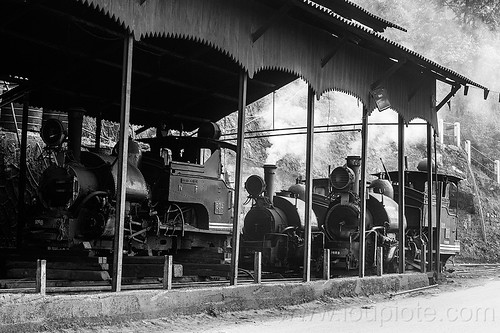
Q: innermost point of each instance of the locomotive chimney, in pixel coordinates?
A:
(354, 162)
(75, 122)
(269, 178)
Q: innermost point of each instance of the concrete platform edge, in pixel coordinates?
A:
(26, 312)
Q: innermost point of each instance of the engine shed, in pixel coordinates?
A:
(191, 62)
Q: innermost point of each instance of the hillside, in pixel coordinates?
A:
(479, 204)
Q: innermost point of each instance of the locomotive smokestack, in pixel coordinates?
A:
(75, 122)
(354, 162)
(269, 178)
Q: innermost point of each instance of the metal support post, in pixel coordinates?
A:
(23, 168)
(168, 272)
(401, 194)
(326, 264)
(362, 193)
(308, 203)
(242, 104)
(439, 194)
(257, 267)
(41, 277)
(430, 171)
(122, 163)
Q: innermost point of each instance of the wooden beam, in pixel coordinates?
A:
(41, 277)
(388, 73)
(122, 163)
(168, 272)
(309, 184)
(278, 15)
(257, 267)
(14, 94)
(242, 104)
(445, 100)
(326, 264)
(334, 51)
(419, 84)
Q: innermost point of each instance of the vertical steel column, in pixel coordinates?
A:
(430, 247)
(362, 193)
(308, 203)
(98, 129)
(242, 104)
(23, 168)
(438, 212)
(122, 163)
(401, 195)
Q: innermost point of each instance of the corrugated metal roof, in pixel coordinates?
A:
(381, 42)
(350, 10)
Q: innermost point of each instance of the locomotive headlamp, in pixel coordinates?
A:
(342, 178)
(255, 185)
(52, 132)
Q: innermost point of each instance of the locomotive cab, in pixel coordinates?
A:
(416, 212)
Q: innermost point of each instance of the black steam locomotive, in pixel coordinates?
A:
(275, 223)
(176, 197)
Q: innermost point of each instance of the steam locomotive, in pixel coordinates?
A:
(275, 223)
(176, 197)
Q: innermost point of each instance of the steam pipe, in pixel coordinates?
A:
(75, 122)
(269, 178)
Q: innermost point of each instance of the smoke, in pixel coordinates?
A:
(331, 110)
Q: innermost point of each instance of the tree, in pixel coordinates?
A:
(470, 12)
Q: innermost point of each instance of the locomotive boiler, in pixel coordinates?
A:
(176, 197)
(275, 226)
(342, 218)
